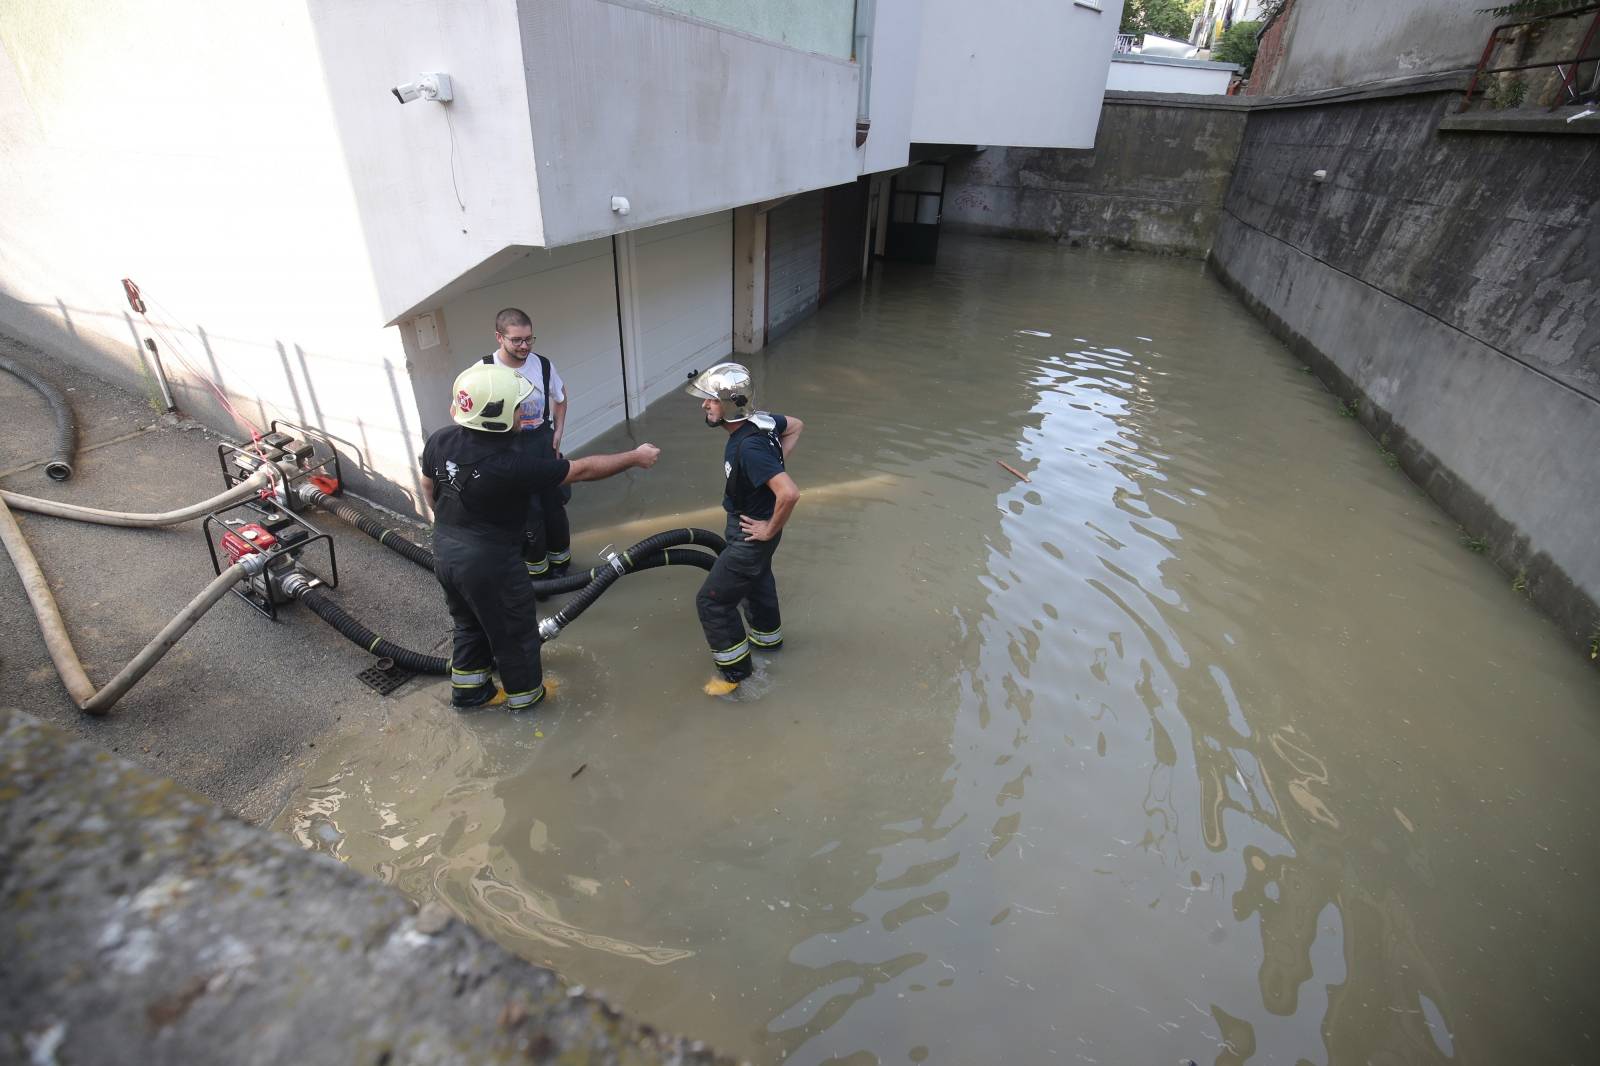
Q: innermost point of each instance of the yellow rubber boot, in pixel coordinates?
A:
(720, 686)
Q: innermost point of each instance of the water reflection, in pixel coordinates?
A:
(1208, 742)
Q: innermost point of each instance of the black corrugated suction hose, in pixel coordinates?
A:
(393, 539)
(324, 606)
(557, 586)
(337, 617)
(388, 536)
(632, 559)
(59, 466)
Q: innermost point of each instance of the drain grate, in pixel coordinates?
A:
(383, 676)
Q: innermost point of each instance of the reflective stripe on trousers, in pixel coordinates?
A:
(521, 701)
(742, 575)
(731, 655)
(491, 602)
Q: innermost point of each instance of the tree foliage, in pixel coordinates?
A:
(1166, 18)
(1238, 45)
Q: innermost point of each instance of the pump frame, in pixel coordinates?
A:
(323, 457)
(278, 556)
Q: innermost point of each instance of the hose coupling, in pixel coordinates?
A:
(253, 563)
(617, 563)
(549, 629)
(297, 583)
(308, 493)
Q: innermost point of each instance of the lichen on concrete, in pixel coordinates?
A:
(143, 924)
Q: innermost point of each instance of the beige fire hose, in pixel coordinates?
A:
(59, 644)
(44, 604)
(242, 491)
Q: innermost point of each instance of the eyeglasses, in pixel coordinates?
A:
(518, 342)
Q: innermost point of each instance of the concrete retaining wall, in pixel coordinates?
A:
(1317, 44)
(1153, 182)
(140, 924)
(1449, 282)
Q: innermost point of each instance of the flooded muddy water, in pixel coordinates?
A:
(1212, 741)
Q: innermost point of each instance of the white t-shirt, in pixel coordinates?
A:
(531, 414)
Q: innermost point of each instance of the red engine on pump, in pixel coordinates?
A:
(247, 540)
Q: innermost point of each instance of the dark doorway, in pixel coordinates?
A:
(916, 202)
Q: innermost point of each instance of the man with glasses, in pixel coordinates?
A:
(547, 546)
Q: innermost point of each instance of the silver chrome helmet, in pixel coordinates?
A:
(728, 382)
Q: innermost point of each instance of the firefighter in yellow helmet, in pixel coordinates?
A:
(480, 475)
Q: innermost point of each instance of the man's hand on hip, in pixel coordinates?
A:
(755, 529)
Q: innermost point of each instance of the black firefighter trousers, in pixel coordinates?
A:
(742, 574)
(548, 541)
(496, 622)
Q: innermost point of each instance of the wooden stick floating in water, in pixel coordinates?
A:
(1019, 474)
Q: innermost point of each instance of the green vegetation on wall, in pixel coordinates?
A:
(1238, 45)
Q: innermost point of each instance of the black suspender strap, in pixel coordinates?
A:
(549, 407)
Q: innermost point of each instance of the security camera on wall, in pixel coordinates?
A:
(435, 87)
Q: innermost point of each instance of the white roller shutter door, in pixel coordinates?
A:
(676, 283)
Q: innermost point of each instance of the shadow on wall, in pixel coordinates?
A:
(274, 381)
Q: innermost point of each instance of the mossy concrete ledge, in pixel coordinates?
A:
(142, 924)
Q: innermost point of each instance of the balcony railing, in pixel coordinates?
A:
(1125, 43)
(1572, 89)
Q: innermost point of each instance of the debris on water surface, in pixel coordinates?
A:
(1014, 471)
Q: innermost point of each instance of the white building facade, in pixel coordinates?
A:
(658, 184)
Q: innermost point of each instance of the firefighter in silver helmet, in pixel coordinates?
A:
(759, 495)
(479, 475)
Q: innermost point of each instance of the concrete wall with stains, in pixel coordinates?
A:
(1328, 43)
(1154, 181)
(1449, 283)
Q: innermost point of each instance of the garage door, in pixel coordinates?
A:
(843, 234)
(571, 295)
(794, 262)
(676, 288)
